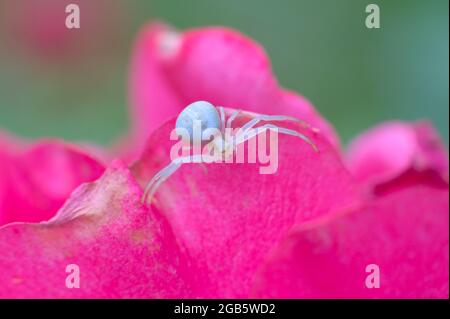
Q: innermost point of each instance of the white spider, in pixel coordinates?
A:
(211, 117)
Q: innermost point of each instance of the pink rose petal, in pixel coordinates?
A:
(122, 248)
(37, 179)
(171, 70)
(404, 232)
(390, 149)
(229, 215)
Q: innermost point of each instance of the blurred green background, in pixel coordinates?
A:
(53, 83)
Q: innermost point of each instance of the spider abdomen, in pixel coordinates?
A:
(204, 112)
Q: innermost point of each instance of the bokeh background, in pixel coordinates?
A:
(73, 84)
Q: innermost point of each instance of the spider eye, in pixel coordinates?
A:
(201, 111)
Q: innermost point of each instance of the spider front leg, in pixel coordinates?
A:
(166, 172)
(163, 175)
(159, 178)
(250, 124)
(222, 119)
(232, 118)
(244, 136)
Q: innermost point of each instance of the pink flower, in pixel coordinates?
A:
(169, 70)
(389, 150)
(40, 30)
(36, 179)
(224, 230)
(403, 229)
(122, 248)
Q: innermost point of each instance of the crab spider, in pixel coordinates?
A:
(211, 117)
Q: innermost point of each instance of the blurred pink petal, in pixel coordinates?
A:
(36, 180)
(39, 29)
(404, 231)
(390, 149)
(122, 248)
(229, 215)
(170, 70)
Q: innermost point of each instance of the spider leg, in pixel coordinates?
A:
(164, 174)
(232, 117)
(250, 124)
(222, 119)
(150, 192)
(160, 177)
(293, 133)
(244, 137)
